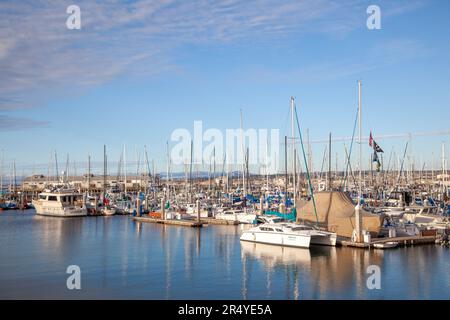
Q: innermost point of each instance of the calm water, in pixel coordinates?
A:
(122, 259)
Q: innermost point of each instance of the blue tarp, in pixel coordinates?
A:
(288, 216)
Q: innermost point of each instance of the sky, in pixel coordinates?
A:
(138, 70)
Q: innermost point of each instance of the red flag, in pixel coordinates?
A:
(371, 139)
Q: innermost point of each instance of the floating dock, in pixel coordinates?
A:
(402, 241)
(185, 223)
(219, 221)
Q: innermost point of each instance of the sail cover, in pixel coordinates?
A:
(336, 213)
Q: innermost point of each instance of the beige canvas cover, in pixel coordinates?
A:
(336, 213)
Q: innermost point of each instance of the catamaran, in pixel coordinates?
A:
(288, 234)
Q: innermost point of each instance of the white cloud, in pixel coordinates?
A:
(38, 52)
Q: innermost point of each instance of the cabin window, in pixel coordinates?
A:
(279, 230)
(43, 197)
(52, 198)
(266, 229)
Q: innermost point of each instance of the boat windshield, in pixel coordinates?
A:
(301, 228)
(265, 229)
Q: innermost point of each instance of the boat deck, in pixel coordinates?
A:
(219, 221)
(185, 223)
(402, 241)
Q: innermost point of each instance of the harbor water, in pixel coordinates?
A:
(120, 258)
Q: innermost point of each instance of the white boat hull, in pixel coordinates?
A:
(324, 240)
(290, 240)
(60, 212)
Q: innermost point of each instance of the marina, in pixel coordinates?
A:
(225, 150)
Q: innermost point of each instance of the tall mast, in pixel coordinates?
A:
(330, 178)
(285, 168)
(310, 166)
(443, 168)
(67, 169)
(105, 172)
(243, 158)
(1, 172)
(167, 170)
(89, 173)
(358, 206)
(14, 176)
(293, 149)
(190, 171)
(125, 167)
(56, 164)
(267, 164)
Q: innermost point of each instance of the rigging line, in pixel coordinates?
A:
(350, 151)
(306, 166)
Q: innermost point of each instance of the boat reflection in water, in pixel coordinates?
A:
(315, 273)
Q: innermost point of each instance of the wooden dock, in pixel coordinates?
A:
(184, 223)
(219, 221)
(402, 241)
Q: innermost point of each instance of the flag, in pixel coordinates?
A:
(377, 148)
(374, 145)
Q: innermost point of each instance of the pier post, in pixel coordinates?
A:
(358, 222)
(95, 204)
(198, 210)
(146, 202)
(138, 206)
(163, 208)
(261, 205)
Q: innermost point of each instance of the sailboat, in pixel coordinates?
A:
(335, 211)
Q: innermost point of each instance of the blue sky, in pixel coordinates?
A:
(137, 70)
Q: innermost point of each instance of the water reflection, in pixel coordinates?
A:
(122, 258)
(311, 273)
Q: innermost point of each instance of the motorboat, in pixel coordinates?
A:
(386, 245)
(109, 210)
(60, 203)
(237, 215)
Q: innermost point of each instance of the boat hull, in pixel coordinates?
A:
(60, 212)
(289, 240)
(324, 240)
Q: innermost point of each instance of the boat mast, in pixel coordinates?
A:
(1, 173)
(167, 171)
(293, 150)
(56, 167)
(358, 206)
(443, 168)
(14, 177)
(243, 159)
(285, 169)
(89, 173)
(105, 172)
(125, 167)
(330, 178)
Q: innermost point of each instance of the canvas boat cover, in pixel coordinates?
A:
(336, 213)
